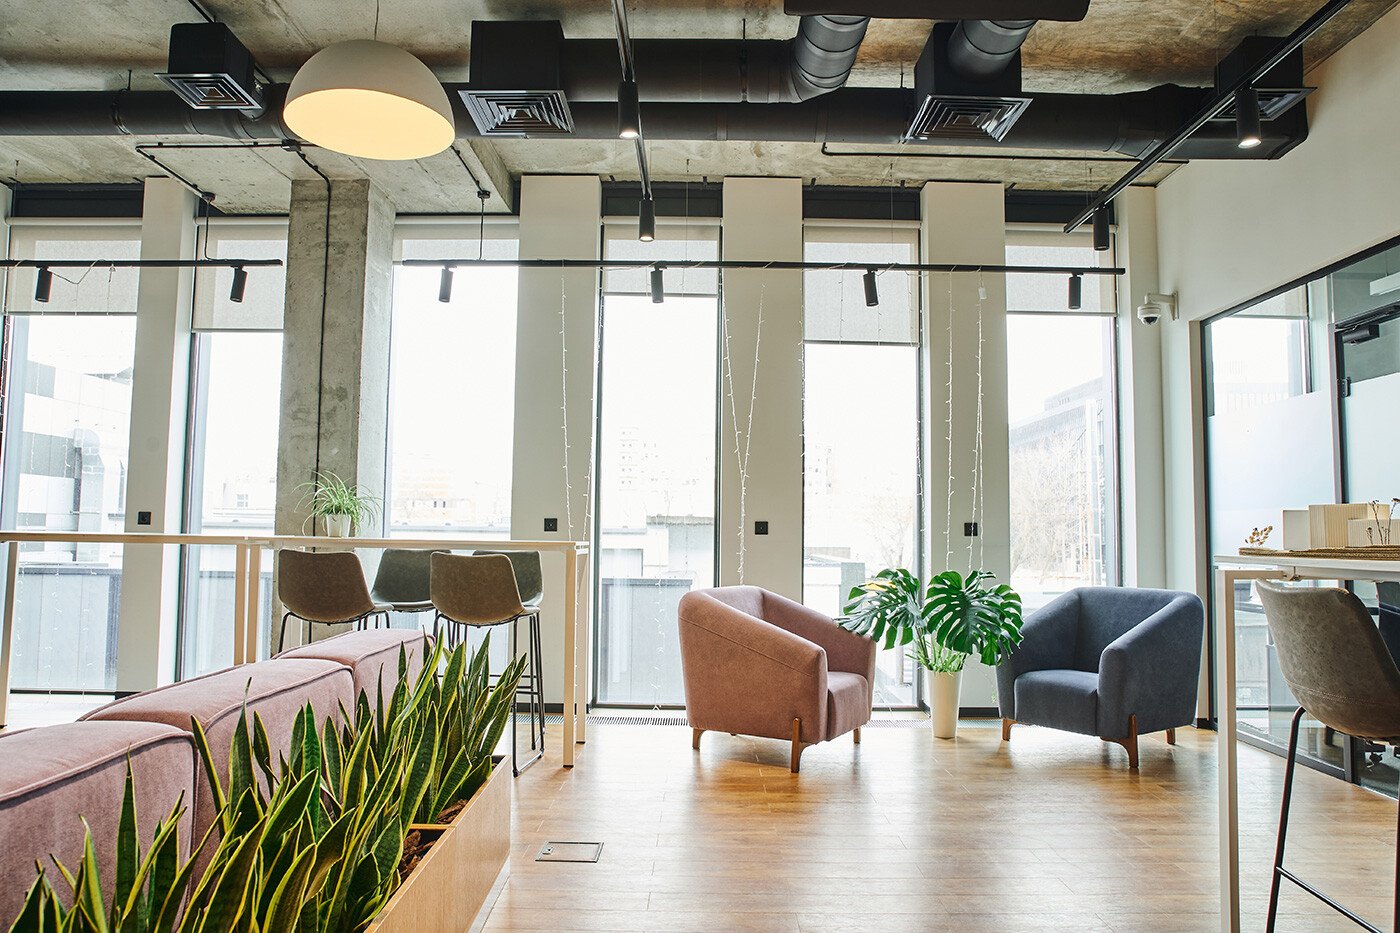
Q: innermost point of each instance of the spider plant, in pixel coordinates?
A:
(329, 495)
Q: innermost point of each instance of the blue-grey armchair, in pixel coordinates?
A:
(1107, 661)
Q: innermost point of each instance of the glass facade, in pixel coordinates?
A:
(1063, 431)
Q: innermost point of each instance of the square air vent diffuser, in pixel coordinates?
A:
(952, 117)
(519, 113)
(210, 69)
(1274, 102)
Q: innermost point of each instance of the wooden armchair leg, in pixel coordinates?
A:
(1129, 742)
(796, 745)
(695, 738)
(1006, 725)
(1171, 736)
(856, 736)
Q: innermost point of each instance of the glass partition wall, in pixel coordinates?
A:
(1307, 376)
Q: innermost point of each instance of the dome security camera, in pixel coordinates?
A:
(1154, 306)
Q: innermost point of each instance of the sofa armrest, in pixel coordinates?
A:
(1152, 671)
(845, 651)
(1048, 638)
(745, 675)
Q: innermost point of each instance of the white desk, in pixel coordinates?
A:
(248, 579)
(1228, 570)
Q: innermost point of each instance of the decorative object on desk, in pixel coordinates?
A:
(1327, 524)
(1382, 517)
(948, 621)
(343, 507)
(1259, 536)
(1379, 552)
(1295, 530)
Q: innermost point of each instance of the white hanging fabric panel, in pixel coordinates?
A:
(91, 289)
(833, 301)
(265, 291)
(697, 240)
(463, 237)
(1050, 291)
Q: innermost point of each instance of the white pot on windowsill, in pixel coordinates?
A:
(337, 526)
(943, 691)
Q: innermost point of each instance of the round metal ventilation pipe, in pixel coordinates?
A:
(981, 49)
(824, 51)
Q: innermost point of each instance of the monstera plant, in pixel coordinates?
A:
(945, 622)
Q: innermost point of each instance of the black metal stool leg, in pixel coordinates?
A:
(1283, 819)
(282, 638)
(514, 706)
(538, 660)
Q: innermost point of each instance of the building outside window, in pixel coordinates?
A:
(657, 428)
(1062, 408)
(861, 426)
(67, 376)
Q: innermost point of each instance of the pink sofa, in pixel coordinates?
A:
(757, 663)
(51, 777)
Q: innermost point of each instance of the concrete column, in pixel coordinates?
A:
(335, 350)
(555, 381)
(1141, 477)
(155, 465)
(762, 220)
(966, 222)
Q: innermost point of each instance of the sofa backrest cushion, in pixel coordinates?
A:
(373, 656)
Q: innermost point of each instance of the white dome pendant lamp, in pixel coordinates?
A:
(369, 99)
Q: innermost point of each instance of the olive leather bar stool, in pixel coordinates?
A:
(403, 581)
(480, 591)
(1335, 662)
(529, 581)
(325, 588)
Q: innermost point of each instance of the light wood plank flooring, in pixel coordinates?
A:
(1051, 832)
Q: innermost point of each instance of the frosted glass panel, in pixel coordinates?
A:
(1373, 439)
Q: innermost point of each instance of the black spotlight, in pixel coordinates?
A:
(658, 285)
(240, 283)
(1101, 235)
(1247, 131)
(629, 111)
(445, 285)
(1076, 292)
(43, 284)
(646, 220)
(872, 293)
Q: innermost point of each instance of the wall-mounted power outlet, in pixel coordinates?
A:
(760, 528)
(970, 530)
(143, 518)
(551, 524)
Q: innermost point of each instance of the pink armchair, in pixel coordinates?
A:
(757, 663)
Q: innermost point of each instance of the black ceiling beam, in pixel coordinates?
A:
(768, 265)
(1224, 96)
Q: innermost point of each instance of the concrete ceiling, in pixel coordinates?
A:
(73, 45)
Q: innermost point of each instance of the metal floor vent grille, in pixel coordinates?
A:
(519, 113)
(950, 117)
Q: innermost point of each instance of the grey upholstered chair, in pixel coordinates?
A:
(529, 576)
(1108, 661)
(1339, 668)
(481, 591)
(404, 580)
(324, 587)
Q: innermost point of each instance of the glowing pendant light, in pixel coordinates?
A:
(369, 99)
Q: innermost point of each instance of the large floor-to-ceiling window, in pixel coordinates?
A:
(861, 425)
(67, 378)
(235, 400)
(452, 383)
(657, 429)
(1063, 420)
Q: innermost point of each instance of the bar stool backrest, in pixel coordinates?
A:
(1333, 659)
(529, 578)
(475, 590)
(404, 576)
(322, 586)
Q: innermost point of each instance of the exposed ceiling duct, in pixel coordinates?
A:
(981, 49)
(1069, 11)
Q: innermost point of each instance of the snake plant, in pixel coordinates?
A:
(312, 841)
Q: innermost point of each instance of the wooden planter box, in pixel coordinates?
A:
(451, 883)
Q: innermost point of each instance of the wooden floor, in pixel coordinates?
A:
(905, 833)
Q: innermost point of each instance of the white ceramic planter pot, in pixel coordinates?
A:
(943, 692)
(337, 526)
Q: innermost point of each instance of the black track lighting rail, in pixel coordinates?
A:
(774, 265)
(136, 263)
(1223, 99)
